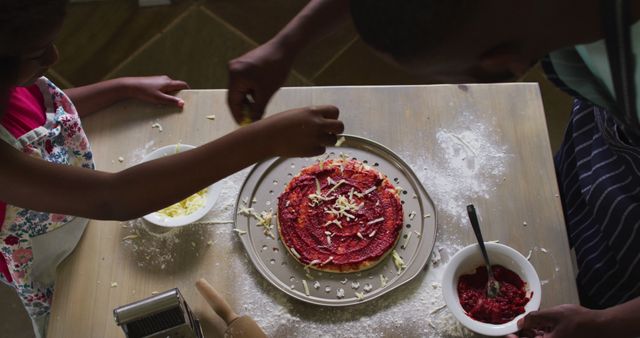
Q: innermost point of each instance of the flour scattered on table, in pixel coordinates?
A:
(404, 311)
(467, 163)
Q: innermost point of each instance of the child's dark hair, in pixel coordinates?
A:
(406, 28)
(23, 21)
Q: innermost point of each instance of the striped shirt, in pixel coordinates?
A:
(598, 170)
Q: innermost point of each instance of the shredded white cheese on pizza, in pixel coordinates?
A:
(327, 260)
(295, 253)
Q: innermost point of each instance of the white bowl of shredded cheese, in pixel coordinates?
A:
(189, 209)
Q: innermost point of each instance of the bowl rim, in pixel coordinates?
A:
(450, 293)
(213, 192)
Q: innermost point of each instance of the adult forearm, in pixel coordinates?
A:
(91, 98)
(622, 320)
(317, 19)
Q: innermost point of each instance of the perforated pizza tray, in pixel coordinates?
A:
(267, 181)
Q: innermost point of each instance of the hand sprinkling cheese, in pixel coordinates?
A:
(340, 141)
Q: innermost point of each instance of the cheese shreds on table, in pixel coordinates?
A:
(130, 237)
(157, 126)
(186, 206)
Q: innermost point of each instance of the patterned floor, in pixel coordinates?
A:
(192, 40)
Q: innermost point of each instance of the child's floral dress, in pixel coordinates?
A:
(33, 243)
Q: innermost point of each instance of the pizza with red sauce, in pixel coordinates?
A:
(339, 216)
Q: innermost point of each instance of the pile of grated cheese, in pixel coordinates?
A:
(187, 206)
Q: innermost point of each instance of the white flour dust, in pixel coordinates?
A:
(467, 163)
(415, 309)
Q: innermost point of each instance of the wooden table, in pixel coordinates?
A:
(519, 203)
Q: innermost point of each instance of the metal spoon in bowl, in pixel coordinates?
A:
(493, 287)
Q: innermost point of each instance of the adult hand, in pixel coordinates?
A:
(258, 73)
(302, 132)
(155, 89)
(567, 320)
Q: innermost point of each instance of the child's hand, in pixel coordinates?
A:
(154, 89)
(302, 132)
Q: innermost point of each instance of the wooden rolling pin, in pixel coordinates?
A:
(237, 326)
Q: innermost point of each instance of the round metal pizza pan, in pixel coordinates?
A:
(267, 181)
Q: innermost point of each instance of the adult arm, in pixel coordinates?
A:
(569, 320)
(263, 70)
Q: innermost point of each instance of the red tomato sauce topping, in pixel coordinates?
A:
(509, 303)
(339, 215)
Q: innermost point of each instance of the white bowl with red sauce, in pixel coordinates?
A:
(466, 261)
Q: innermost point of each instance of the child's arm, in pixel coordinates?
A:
(97, 96)
(35, 184)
